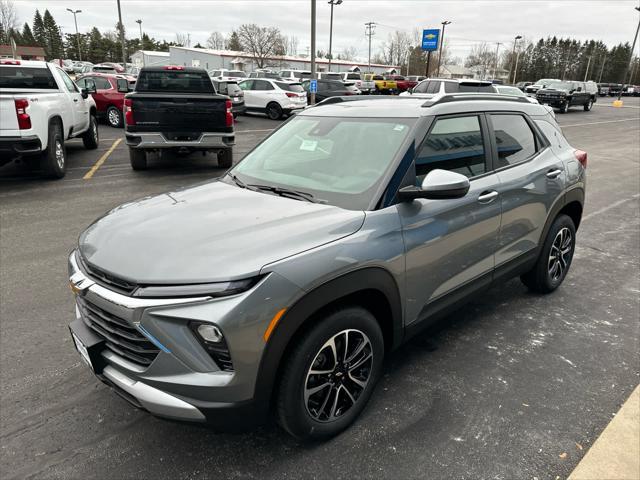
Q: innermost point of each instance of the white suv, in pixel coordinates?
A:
(295, 75)
(274, 98)
(41, 108)
(223, 73)
(431, 87)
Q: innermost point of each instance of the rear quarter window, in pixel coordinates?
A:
(24, 77)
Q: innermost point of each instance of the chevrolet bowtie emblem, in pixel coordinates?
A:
(79, 282)
(429, 36)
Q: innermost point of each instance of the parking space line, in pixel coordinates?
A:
(604, 121)
(101, 160)
(609, 207)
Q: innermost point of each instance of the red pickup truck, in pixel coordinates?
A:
(403, 83)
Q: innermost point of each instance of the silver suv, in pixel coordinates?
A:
(356, 224)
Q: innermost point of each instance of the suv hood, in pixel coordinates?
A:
(209, 233)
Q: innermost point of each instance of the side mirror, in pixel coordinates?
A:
(123, 88)
(84, 92)
(437, 185)
(90, 86)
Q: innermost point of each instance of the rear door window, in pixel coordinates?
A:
(454, 144)
(421, 87)
(515, 141)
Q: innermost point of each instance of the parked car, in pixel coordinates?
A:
(351, 86)
(273, 75)
(614, 89)
(108, 67)
(515, 91)
(382, 85)
(437, 86)
(563, 95)
(109, 92)
(330, 76)
(603, 89)
(416, 78)
(542, 83)
(328, 88)
(231, 89)
(275, 98)
(40, 109)
(294, 75)
(402, 83)
(176, 108)
(227, 74)
(365, 86)
(282, 286)
(523, 85)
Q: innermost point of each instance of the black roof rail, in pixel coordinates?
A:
(457, 97)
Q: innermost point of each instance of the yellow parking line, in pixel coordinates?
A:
(101, 160)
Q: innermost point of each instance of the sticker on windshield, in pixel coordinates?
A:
(399, 128)
(309, 145)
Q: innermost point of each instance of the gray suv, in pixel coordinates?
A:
(281, 286)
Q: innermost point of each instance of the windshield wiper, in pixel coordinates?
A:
(286, 192)
(239, 182)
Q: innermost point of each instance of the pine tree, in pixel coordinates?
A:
(27, 36)
(233, 42)
(39, 33)
(53, 37)
(3, 39)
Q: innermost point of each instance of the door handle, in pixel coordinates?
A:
(554, 173)
(487, 196)
(75, 99)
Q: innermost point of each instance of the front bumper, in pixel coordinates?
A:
(16, 147)
(158, 140)
(182, 381)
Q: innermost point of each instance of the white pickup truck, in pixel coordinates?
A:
(41, 108)
(363, 85)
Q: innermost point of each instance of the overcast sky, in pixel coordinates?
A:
(473, 21)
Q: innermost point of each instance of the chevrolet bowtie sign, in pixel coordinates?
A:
(430, 39)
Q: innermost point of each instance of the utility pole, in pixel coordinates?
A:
(633, 48)
(370, 29)
(75, 12)
(332, 3)
(409, 62)
(513, 54)
(495, 69)
(124, 45)
(586, 73)
(313, 48)
(444, 24)
(139, 22)
(602, 69)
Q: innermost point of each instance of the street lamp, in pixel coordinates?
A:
(75, 12)
(444, 24)
(139, 22)
(626, 70)
(332, 3)
(515, 41)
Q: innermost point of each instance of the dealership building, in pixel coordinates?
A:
(232, 60)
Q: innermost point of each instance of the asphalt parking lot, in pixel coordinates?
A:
(516, 385)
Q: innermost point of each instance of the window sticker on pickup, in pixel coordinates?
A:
(309, 145)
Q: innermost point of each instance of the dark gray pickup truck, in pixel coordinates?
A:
(177, 108)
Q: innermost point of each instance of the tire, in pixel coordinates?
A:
(138, 159)
(548, 274)
(565, 107)
(274, 111)
(588, 105)
(225, 158)
(54, 159)
(329, 410)
(91, 138)
(114, 117)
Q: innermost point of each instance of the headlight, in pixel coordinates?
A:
(220, 289)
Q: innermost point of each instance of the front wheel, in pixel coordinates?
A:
(588, 105)
(91, 138)
(138, 159)
(330, 374)
(555, 257)
(274, 111)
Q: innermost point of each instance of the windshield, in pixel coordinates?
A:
(559, 85)
(510, 91)
(353, 76)
(337, 160)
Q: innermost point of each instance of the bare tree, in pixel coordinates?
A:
(481, 57)
(396, 49)
(260, 42)
(216, 41)
(183, 39)
(348, 53)
(8, 16)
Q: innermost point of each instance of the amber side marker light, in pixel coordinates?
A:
(272, 324)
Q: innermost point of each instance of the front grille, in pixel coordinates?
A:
(106, 279)
(119, 336)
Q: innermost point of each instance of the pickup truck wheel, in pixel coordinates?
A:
(138, 159)
(588, 105)
(330, 374)
(54, 158)
(555, 257)
(274, 111)
(225, 158)
(114, 117)
(91, 137)
(565, 107)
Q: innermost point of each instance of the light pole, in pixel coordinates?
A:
(515, 42)
(444, 24)
(495, 69)
(369, 31)
(332, 3)
(633, 47)
(139, 22)
(124, 45)
(75, 12)
(313, 50)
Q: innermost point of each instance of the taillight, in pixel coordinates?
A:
(9, 62)
(229, 114)
(24, 120)
(291, 94)
(581, 156)
(128, 112)
(174, 67)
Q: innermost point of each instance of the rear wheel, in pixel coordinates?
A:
(90, 138)
(114, 117)
(54, 158)
(555, 258)
(330, 374)
(274, 111)
(138, 159)
(225, 158)
(588, 105)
